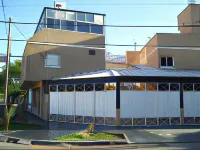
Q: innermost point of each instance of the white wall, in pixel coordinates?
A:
(191, 102)
(64, 103)
(142, 104)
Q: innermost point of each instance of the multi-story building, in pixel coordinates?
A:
(65, 42)
(173, 50)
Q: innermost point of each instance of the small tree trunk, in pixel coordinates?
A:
(7, 124)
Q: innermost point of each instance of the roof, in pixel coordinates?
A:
(138, 71)
(115, 58)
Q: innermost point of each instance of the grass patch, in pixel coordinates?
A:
(21, 126)
(90, 137)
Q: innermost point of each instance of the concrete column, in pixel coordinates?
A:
(181, 104)
(118, 119)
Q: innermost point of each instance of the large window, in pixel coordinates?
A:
(89, 17)
(50, 23)
(57, 24)
(51, 13)
(83, 27)
(81, 16)
(98, 29)
(167, 62)
(71, 16)
(67, 25)
(53, 61)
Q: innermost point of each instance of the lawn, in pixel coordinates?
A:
(82, 136)
(21, 126)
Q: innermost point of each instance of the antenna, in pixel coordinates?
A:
(191, 2)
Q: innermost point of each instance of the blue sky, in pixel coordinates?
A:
(115, 15)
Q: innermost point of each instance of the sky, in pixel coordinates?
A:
(126, 12)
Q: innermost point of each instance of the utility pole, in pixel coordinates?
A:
(135, 45)
(8, 63)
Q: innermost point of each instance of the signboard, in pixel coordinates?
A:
(3, 58)
(60, 5)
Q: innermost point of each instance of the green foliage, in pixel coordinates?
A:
(91, 137)
(14, 72)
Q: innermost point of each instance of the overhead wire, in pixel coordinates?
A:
(4, 15)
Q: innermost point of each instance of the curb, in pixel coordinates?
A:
(77, 143)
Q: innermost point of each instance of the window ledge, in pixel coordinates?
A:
(167, 67)
(53, 67)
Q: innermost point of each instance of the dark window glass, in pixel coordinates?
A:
(163, 61)
(151, 86)
(83, 27)
(80, 87)
(81, 16)
(67, 25)
(53, 88)
(50, 23)
(98, 29)
(91, 52)
(174, 87)
(197, 87)
(99, 87)
(70, 88)
(61, 88)
(163, 87)
(169, 61)
(188, 87)
(57, 24)
(89, 17)
(89, 87)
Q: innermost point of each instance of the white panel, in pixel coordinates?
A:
(141, 104)
(85, 103)
(110, 104)
(53, 103)
(98, 19)
(105, 104)
(66, 103)
(191, 104)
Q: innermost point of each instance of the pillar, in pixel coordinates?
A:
(118, 120)
(181, 104)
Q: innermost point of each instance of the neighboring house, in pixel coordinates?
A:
(173, 50)
(65, 42)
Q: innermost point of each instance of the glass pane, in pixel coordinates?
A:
(70, 88)
(163, 61)
(188, 87)
(163, 87)
(61, 15)
(110, 86)
(151, 86)
(98, 19)
(139, 86)
(89, 17)
(126, 86)
(98, 29)
(71, 16)
(99, 87)
(197, 87)
(174, 87)
(80, 87)
(81, 16)
(89, 87)
(67, 25)
(169, 61)
(57, 24)
(50, 23)
(51, 13)
(83, 27)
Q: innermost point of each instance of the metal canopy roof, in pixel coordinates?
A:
(138, 71)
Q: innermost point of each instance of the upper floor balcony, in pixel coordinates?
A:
(76, 21)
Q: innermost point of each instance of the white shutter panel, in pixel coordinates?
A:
(98, 19)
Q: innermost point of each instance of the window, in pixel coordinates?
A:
(80, 87)
(53, 61)
(89, 87)
(70, 88)
(50, 23)
(89, 17)
(98, 29)
(98, 19)
(81, 16)
(57, 24)
(110, 86)
(151, 86)
(61, 88)
(53, 88)
(99, 87)
(138, 86)
(67, 25)
(83, 27)
(71, 16)
(61, 15)
(92, 52)
(163, 87)
(174, 87)
(51, 13)
(126, 86)
(188, 87)
(197, 87)
(166, 62)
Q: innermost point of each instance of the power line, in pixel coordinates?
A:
(120, 26)
(103, 4)
(4, 15)
(20, 31)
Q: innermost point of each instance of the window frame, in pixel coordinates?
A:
(48, 66)
(173, 66)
